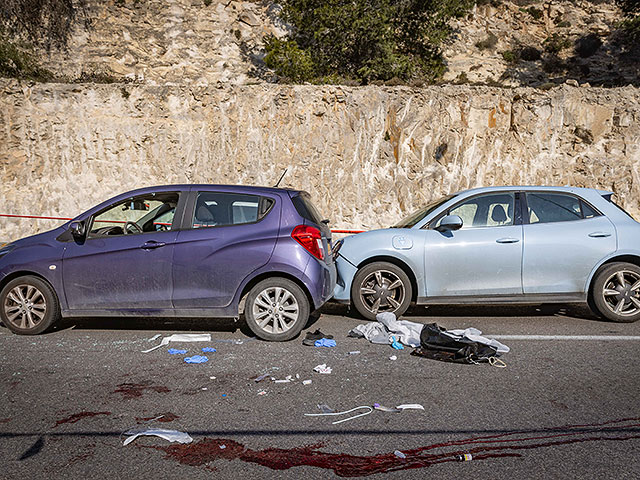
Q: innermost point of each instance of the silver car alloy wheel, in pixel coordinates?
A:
(25, 306)
(275, 310)
(382, 291)
(621, 293)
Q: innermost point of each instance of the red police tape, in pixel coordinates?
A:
(67, 219)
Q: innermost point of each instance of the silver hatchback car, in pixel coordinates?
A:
(500, 245)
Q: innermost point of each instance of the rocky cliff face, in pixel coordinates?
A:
(367, 155)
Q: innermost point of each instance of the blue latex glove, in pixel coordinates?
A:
(196, 359)
(209, 349)
(325, 342)
(395, 344)
(175, 351)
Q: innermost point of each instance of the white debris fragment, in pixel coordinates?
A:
(322, 368)
(393, 357)
(170, 435)
(307, 382)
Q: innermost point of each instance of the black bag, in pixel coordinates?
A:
(435, 345)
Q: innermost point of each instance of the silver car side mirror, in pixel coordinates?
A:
(450, 222)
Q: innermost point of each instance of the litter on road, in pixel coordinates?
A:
(458, 346)
(182, 337)
(322, 368)
(196, 359)
(175, 351)
(325, 342)
(209, 349)
(355, 352)
(393, 357)
(311, 337)
(410, 406)
(386, 327)
(399, 454)
(307, 382)
(170, 435)
(324, 413)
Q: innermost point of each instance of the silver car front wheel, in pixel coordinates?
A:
(381, 287)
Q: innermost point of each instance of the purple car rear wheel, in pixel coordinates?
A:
(276, 309)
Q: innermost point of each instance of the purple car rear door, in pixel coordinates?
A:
(112, 269)
(228, 235)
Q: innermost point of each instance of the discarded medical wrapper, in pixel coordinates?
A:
(170, 435)
(307, 382)
(458, 346)
(322, 368)
(393, 357)
(399, 454)
(209, 349)
(182, 337)
(386, 327)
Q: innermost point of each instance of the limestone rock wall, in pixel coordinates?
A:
(368, 155)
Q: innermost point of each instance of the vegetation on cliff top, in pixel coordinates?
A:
(363, 41)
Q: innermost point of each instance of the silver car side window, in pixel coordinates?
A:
(492, 210)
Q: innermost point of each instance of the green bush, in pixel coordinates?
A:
(509, 56)
(555, 43)
(16, 62)
(363, 40)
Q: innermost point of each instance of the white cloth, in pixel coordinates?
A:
(388, 326)
(475, 335)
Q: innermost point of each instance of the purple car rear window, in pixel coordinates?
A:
(306, 209)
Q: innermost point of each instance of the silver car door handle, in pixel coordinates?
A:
(508, 240)
(599, 234)
(150, 245)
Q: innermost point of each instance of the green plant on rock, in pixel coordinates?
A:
(631, 23)
(555, 43)
(363, 40)
(16, 62)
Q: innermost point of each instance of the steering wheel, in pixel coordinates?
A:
(134, 225)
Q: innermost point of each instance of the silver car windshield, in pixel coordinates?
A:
(415, 217)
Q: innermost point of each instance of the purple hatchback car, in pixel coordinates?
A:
(176, 251)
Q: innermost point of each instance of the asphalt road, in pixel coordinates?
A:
(562, 408)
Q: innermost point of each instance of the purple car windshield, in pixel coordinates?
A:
(415, 217)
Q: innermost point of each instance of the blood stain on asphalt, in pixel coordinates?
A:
(5, 420)
(79, 416)
(161, 417)
(134, 390)
(494, 446)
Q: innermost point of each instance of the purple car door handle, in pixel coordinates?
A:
(599, 234)
(151, 245)
(508, 240)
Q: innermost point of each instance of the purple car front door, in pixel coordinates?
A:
(231, 235)
(120, 272)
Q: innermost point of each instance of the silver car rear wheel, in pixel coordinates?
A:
(616, 292)
(621, 293)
